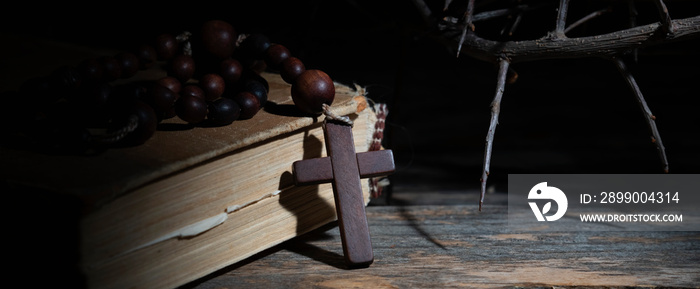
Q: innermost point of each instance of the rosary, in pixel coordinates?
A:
(212, 80)
(68, 104)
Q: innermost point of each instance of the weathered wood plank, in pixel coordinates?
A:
(456, 246)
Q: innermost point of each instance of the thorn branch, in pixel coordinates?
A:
(561, 19)
(495, 111)
(648, 116)
(666, 22)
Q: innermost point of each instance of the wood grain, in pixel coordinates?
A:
(456, 246)
(349, 204)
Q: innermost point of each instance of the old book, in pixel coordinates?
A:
(188, 202)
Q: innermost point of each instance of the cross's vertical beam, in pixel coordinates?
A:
(349, 201)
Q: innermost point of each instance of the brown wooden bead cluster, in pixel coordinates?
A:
(310, 88)
(213, 79)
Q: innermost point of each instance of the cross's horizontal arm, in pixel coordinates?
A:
(375, 163)
(318, 171)
(312, 171)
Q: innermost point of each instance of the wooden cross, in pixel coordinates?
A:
(344, 168)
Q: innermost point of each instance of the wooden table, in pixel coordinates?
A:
(435, 246)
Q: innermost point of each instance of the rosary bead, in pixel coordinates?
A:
(311, 90)
(111, 69)
(147, 56)
(213, 86)
(90, 69)
(224, 89)
(146, 124)
(191, 109)
(162, 100)
(254, 46)
(258, 66)
(171, 83)
(249, 104)
(257, 88)
(276, 54)
(257, 77)
(166, 46)
(129, 64)
(292, 67)
(231, 70)
(223, 111)
(182, 67)
(192, 90)
(218, 38)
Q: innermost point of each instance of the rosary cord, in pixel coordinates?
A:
(185, 37)
(330, 115)
(113, 137)
(381, 110)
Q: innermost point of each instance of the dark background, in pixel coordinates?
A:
(561, 116)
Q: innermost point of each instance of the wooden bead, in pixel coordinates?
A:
(276, 54)
(129, 64)
(292, 67)
(254, 46)
(258, 89)
(146, 124)
(171, 83)
(90, 69)
(166, 46)
(311, 90)
(182, 67)
(223, 111)
(111, 69)
(231, 70)
(249, 104)
(147, 56)
(213, 86)
(257, 77)
(192, 90)
(218, 38)
(191, 109)
(162, 100)
(258, 66)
